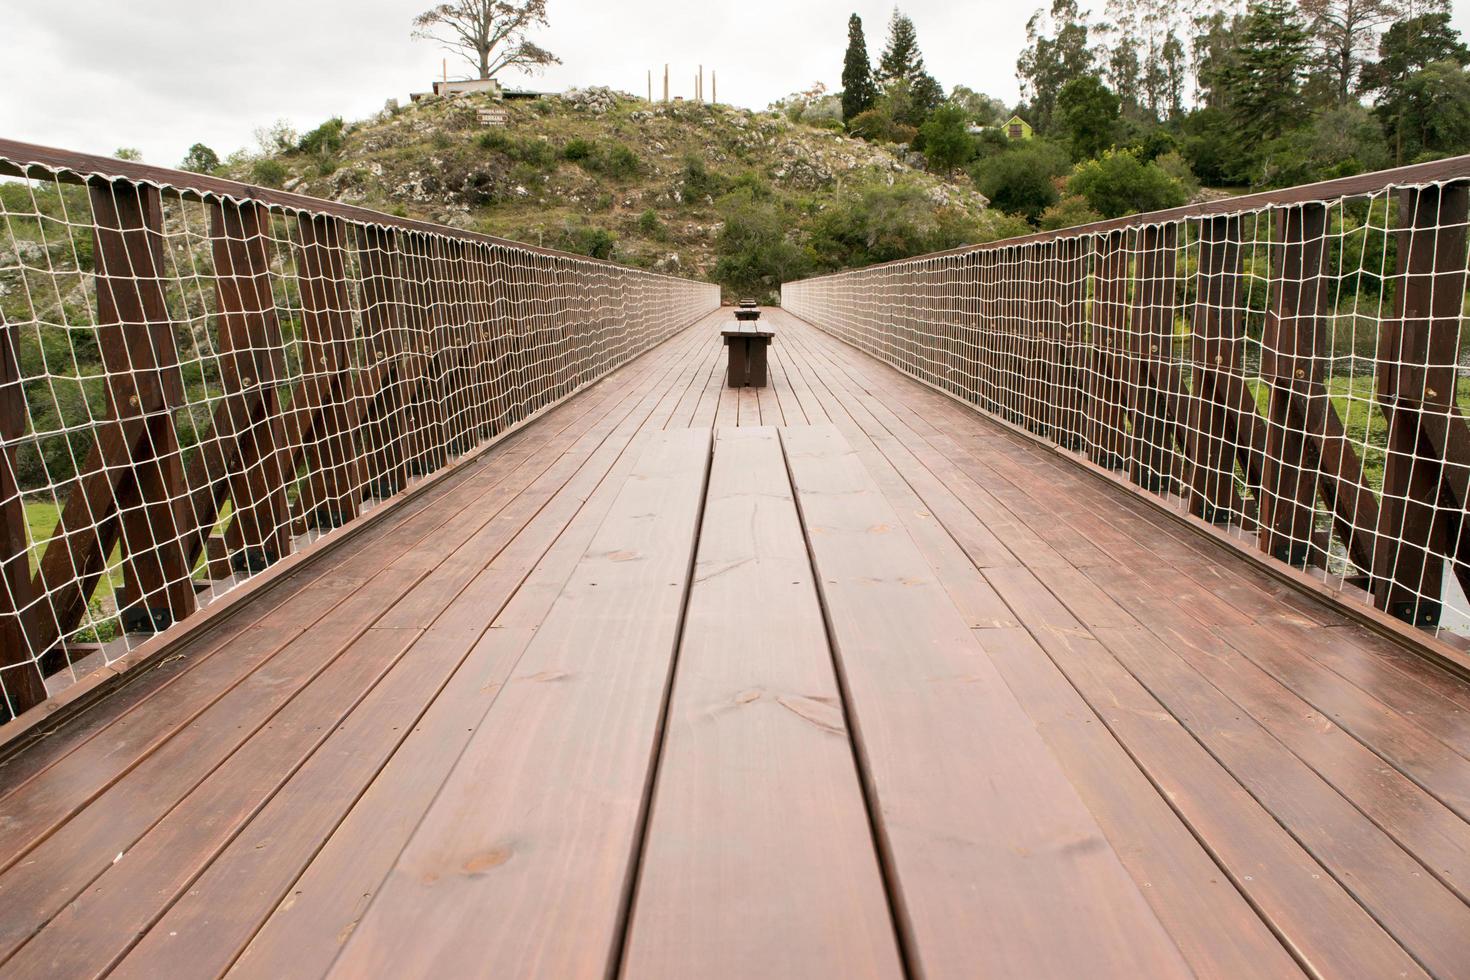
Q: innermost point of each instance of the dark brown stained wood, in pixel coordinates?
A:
(1290, 346)
(393, 366)
(1215, 928)
(20, 675)
(37, 812)
(1327, 931)
(991, 817)
(1428, 457)
(1401, 741)
(317, 916)
(560, 463)
(252, 366)
(130, 893)
(1428, 920)
(1426, 828)
(958, 439)
(1394, 675)
(1215, 327)
(1154, 385)
(1107, 435)
(530, 872)
(279, 864)
(326, 409)
(126, 488)
(759, 857)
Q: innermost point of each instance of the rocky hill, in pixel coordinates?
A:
(651, 185)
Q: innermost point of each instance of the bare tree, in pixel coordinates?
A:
(1346, 34)
(489, 34)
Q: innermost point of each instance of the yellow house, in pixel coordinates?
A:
(1017, 128)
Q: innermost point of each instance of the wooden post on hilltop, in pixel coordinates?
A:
(666, 81)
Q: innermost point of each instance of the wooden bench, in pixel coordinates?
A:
(747, 343)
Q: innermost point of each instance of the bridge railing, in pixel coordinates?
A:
(1292, 365)
(197, 377)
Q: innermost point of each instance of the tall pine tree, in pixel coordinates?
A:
(902, 67)
(901, 59)
(1265, 81)
(858, 90)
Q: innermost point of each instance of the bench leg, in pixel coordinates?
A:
(757, 359)
(738, 368)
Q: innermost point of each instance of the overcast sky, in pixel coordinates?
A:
(159, 75)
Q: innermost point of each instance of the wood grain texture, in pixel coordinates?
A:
(759, 859)
(525, 858)
(991, 815)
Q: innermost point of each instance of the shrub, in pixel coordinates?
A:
(698, 183)
(1068, 212)
(755, 253)
(268, 172)
(200, 159)
(577, 149)
(613, 159)
(534, 152)
(947, 141)
(879, 223)
(599, 243)
(1021, 180)
(649, 224)
(325, 140)
(877, 125)
(1118, 183)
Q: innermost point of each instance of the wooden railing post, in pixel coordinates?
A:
(252, 368)
(127, 490)
(1289, 345)
(1154, 384)
(20, 672)
(1108, 437)
(1422, 518)
(1225, 429)
(325, 412)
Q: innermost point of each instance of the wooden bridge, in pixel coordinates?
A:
(882, 669)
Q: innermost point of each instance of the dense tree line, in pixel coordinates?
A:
(1136, 108)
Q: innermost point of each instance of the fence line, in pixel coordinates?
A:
(1291, 365)
(198, 377)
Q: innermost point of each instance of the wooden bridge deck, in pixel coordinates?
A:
(832, 678)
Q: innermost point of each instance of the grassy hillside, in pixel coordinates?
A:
(709, 191)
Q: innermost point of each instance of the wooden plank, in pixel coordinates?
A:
(319, 908)
(103, 922)
(1437, 837)
(965, 831)
(1216, 929)
(1429, 921)
(37, 812)
(1323, 926)
(529, 872)
(955, 436)
(759, 857)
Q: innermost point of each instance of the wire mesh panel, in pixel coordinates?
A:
(1293, 366)
(198, 378)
